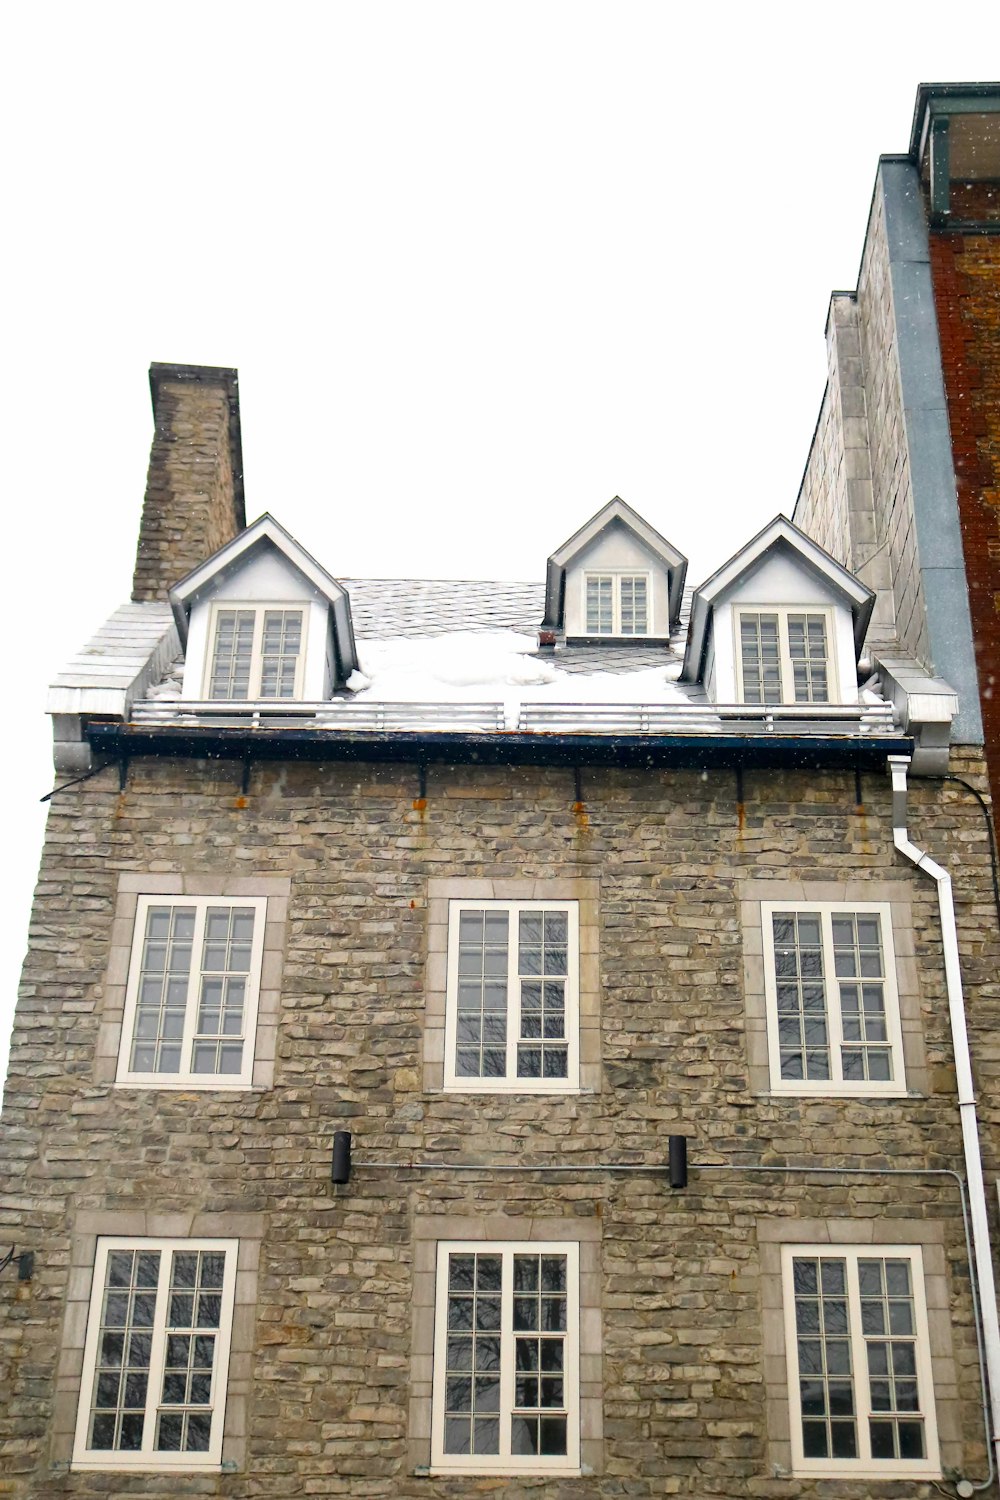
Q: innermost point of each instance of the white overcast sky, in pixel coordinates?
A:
(480, 265)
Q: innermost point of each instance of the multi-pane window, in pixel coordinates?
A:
(191, 1000)
(157, 1352)
(783, 657)
(506, 1358)
(858, 1361)
(617, 603)
(256, 653)
(832, 1006)
(512, 1011)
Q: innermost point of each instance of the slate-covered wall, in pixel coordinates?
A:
(690, 1379)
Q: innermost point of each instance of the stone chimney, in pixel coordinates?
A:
(194, 489)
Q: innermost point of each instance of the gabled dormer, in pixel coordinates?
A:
(262, 620)
(615, 579)
(781, 622)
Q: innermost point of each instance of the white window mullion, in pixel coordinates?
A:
(194, 991)
(859, 1357)
(507, 1372)
(157, 1355)
(257, 653)
(513, 987)
(831, 989)
(787, 688)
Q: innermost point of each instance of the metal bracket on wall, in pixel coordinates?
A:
(123, 773)
(245, 783)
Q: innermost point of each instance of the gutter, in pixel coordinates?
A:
(700, 751)
(966, 1094)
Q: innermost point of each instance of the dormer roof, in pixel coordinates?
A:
(778, 536)
(615, 513)
(264, 533)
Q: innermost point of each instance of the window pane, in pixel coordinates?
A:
(542, 950)
(632, 605)
(760, 658)
(164, 979)
(280, 646)
(473, 1321)
(194, 1314)
(483, 939)
(121, 1377)
(803, 1040)
(217, 1047)
(857, 948)
(230, 676)
(600, 607)
(807, 650)
(826, 1386)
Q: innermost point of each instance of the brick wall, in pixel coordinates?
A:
(966, 272)
(687, 1305)
(193, 502)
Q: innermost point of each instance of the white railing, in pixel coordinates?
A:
(361, 717)
(706, 718)
(344, 714)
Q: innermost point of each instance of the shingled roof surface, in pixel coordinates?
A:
(386, 607)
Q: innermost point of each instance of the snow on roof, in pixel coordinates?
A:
(499, 666)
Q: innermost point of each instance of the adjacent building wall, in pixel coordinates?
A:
(884, 424)
(966, 273)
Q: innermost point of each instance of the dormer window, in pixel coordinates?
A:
(256, 652)
(261, 620)
(783, 656)
(782, 622)
(616, 579)
(617, 604)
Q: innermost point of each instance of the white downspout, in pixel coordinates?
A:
(966, 1093)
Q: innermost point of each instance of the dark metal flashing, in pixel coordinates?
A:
(928, 443)
(210, 375)
(787, 752)
(628, 641)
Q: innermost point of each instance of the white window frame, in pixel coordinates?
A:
(836, 1085)
(784, 655)
(511, 1083)
(148, 1458)
(616, 575)
(184, 1078)
(864, 1466)
(505, 1462)
(259, 609)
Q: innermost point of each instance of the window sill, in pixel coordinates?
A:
(210, 1086)
(499, 1472)
(521, 1086)
(890, 1471)
(782, 1091)
(143, 1465)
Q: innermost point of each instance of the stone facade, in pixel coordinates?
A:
(330, 1352)
(194, 494)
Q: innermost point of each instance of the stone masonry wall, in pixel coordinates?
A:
(686, 1301)
(889, 454)
(966, 272)
(190, 509)
(835, 502)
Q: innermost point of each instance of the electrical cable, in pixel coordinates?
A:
(76, 780)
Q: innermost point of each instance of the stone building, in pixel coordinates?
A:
(533, 891)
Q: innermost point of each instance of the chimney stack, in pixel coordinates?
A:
(194, 489)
